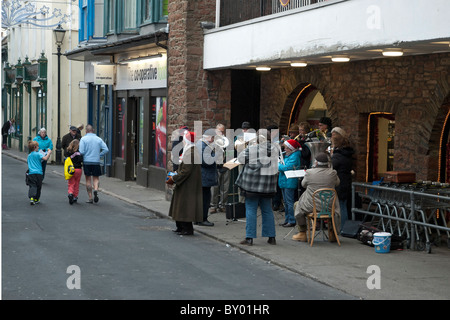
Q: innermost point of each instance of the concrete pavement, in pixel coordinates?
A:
(352, 267)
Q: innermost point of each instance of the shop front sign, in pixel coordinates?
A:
(143, 74)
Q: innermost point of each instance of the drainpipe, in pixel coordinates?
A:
(70, 67)
(217, 13)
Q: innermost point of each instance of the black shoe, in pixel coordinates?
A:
(186, 233)
(70, 198)
(289, 225)
(95, 196)
(272, 241)
(247, 242)
(205, 223)
(177, 230)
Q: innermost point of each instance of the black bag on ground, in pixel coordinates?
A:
(235, 211)
(351, 228)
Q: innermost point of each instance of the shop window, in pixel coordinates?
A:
(41, 110)
(140, 132)
(16, 110)
(110, 13)
(120, 135)
(160, 132)
(129, 14)
(154, 10)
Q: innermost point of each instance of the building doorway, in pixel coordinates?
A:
(380, 145)
(136, 135)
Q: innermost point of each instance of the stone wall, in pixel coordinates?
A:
(414, 88)
(193, 93)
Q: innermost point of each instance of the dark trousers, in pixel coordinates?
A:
(35, 185)
(206, 201)
(44, 165)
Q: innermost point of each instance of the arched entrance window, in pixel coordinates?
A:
(307, 104)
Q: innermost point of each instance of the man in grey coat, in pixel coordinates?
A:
(320, 176)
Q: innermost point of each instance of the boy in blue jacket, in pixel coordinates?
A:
(35, 173)
(289, 186)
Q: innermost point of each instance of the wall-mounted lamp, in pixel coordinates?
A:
(340, 59)
(263, 68)
(299, 64)
(392, 52)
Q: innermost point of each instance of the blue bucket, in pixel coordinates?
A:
(382, 242)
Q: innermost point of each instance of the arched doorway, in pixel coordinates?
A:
(444, 145)
(305, 103)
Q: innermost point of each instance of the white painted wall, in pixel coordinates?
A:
(333, 26)
(27, 40)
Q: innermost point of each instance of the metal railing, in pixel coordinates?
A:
(414, 212)
(231, 11)
(293, 4)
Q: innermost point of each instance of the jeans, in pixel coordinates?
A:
(268, 221)
(289, 196)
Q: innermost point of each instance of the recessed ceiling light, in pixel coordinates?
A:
(340, 59)
(263, 68)
(392, 52)
(299, 64)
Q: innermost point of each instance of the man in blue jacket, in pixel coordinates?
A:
(92, 148)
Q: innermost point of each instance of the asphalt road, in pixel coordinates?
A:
(114, 250)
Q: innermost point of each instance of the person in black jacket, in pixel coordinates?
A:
(7, 127)
(341, 157)
(68, 138)
(209, 172)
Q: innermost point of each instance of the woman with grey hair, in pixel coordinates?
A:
(45, 144)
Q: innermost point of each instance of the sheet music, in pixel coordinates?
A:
(231, 164)
(294, 174)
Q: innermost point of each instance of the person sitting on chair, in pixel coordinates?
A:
(320, 176)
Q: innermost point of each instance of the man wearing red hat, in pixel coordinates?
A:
(289, 186)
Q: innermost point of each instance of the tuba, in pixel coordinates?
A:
(221, 141)
(317, 147)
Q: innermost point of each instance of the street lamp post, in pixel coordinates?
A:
(59, 35)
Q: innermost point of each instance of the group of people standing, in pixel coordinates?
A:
(259, 178)
(85, 153)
